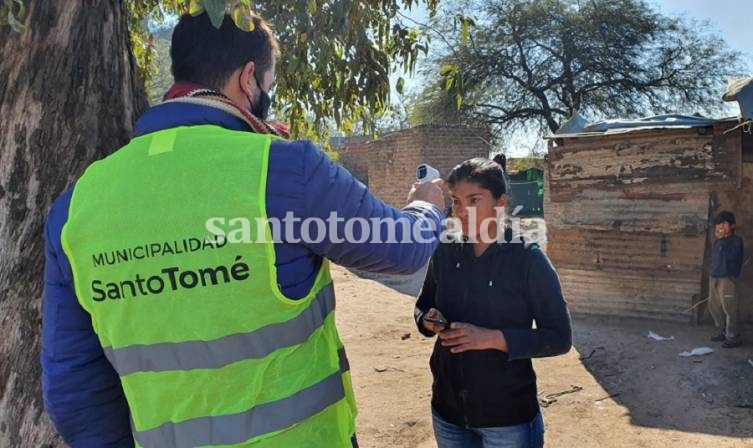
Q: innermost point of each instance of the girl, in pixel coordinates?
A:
(481, 297)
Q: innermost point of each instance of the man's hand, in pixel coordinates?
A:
(432, 192)
(462, 337)
(433, 313)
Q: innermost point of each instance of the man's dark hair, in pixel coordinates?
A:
(205, 55)
(482, 172)
(725, 216)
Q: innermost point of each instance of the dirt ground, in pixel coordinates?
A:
(636, 392)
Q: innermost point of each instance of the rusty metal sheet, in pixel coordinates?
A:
(650, 161)
(644, 254)
(612, 210)
(625, 294)
(647, 275)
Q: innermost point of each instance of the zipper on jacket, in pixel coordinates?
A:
(463, 390)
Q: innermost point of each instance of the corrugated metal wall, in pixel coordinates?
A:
(627, 216)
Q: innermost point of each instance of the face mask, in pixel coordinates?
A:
(261, 108)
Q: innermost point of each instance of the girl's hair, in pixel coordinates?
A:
(482, 172)
(502, 160)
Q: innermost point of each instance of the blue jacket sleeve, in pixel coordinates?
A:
(82, 392)
(330, 189)
(553, 333)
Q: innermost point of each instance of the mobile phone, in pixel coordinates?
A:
(443, 323)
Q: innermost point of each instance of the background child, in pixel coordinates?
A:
(726, 264)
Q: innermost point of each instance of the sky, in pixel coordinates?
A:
(730, 18)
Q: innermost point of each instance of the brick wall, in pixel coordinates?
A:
(355, 158)
(354, 155)
(392, 159)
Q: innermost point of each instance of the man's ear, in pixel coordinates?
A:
(248, 84)
(502, 201)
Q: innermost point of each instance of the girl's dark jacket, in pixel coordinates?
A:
(508, 287)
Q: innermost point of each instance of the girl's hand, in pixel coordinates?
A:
(433, 313)
(462, 337)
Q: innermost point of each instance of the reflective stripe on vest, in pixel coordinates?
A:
(208, 350)
(266, 418)
(229, 349)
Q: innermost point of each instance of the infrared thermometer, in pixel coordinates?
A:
(426, 173)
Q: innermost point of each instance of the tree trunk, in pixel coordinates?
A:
(69, 94)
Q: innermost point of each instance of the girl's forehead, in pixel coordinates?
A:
(466, 188)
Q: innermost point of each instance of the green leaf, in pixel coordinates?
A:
(216, 11)
(448, 83)
(242, 18)
(448, 69)
(400, 85)
(195, 7)
(312, 6)
(465, 24)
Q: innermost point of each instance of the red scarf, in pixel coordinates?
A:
(189, 90)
